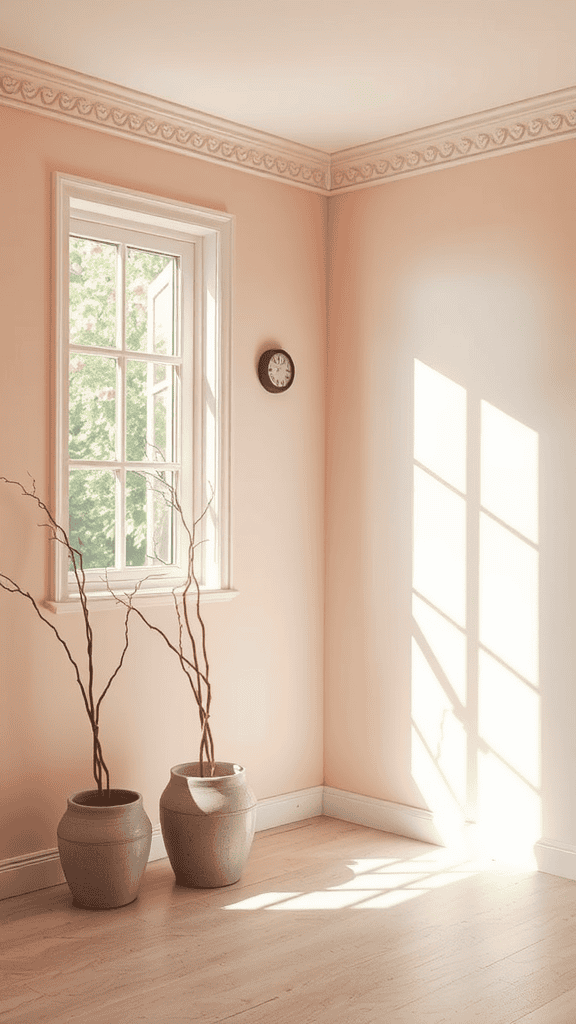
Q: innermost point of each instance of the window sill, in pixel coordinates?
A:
(103, 600)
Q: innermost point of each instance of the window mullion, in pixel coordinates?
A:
(120, 518)
(121, 413)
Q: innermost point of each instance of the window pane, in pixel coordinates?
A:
(136, 390)
(92, 292)
(149, 411)
(162, 414)
(149, 520)
(149, 302)
(92, 398)
(92, 503)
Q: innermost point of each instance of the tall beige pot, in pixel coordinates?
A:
(207, 824)
(104, 849)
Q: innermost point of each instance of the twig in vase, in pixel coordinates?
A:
(194, 664)
(92, 704)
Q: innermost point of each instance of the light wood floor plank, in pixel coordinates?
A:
(330, 923)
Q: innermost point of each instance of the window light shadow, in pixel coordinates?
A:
(475, 646)
(374, 884)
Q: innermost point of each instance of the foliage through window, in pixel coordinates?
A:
(97, 383)
(143, 322)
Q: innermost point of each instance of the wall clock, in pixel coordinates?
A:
(276, 370)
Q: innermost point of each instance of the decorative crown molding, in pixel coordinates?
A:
(31, 84)
(516, 126)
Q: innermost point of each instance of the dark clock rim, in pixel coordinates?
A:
(263, 362)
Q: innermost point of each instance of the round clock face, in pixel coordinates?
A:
(276, 370)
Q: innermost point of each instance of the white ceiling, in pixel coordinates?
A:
(330, 74)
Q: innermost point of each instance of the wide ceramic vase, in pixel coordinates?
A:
(207, 824)
(104, 848)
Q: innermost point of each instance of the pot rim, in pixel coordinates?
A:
(83, 800)
(234, 771)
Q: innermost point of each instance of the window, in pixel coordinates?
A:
(142, 387)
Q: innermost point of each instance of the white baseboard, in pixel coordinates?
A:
(32, 871)
(157, 848)
(401, 820)
(289, 807)
(555, 859)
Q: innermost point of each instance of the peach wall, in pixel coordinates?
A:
(266, 644)
(469, 276)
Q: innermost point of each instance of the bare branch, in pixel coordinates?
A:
(118, 667)
(197, 666)
(123, 599)
(13, 588)
(58, 533)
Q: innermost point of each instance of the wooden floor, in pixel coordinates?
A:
(331, 923)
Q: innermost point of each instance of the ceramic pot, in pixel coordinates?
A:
(104, 849)
(207, 824)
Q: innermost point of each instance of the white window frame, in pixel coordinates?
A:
(206, 237)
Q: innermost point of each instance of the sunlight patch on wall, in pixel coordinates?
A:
(441, 735)
(440, 425)
(508, 700)
(509, 718)
(509, 811)
(439, 489)
(439, 742)
(440, 546)
(435, 771)
(509, 471)
(475, 647)
(508, 610)
(447, 645)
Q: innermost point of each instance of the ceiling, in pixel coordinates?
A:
(330, 74)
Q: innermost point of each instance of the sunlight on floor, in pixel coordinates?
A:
(376, 884)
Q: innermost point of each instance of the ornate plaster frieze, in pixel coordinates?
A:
(543, 119)
(56, 92)
(32, 84)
